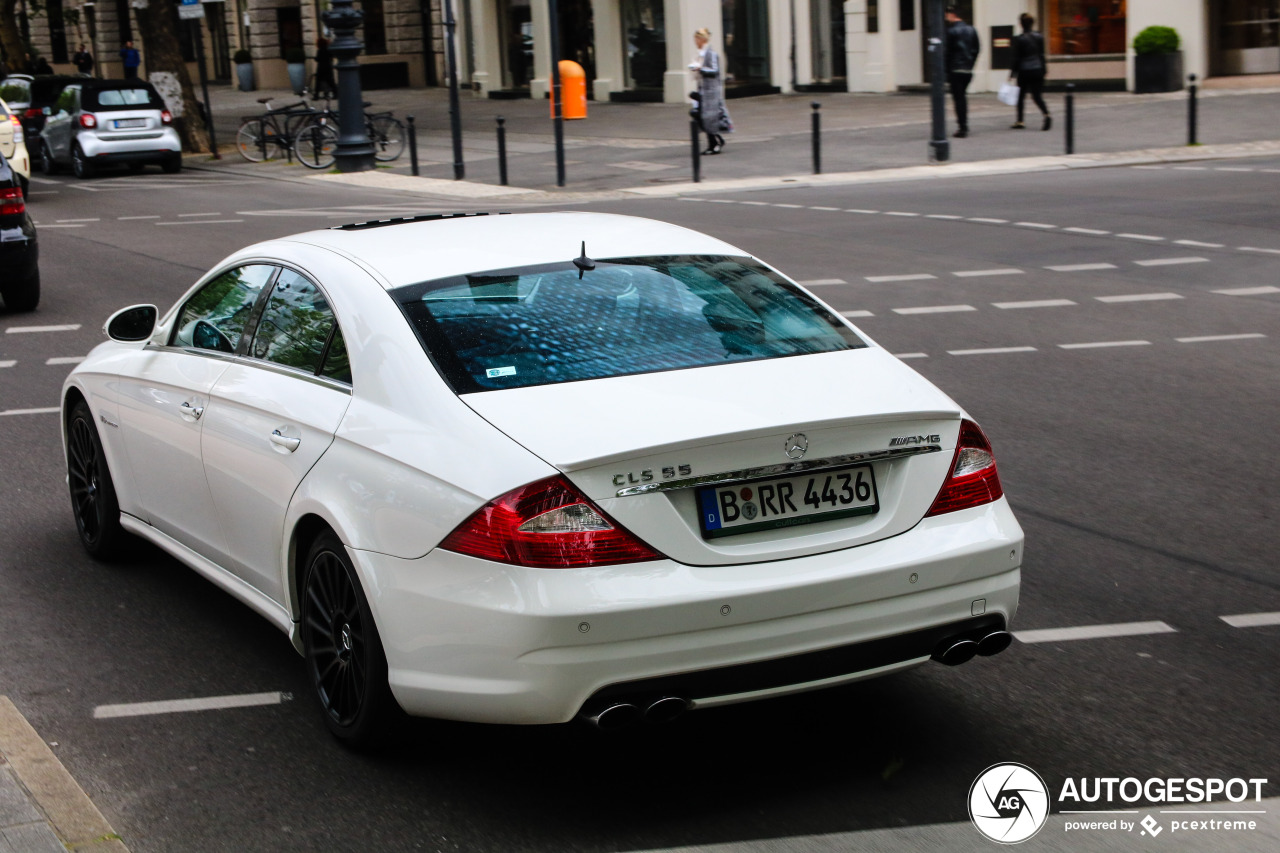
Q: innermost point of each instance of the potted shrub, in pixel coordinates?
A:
(1157, 62)
(244, 69)
(296, 58)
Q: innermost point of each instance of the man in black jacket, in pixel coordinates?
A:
(962, 52)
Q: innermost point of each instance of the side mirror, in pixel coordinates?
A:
(132, 324)
(47, 111)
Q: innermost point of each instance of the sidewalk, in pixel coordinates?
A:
(624, 147)
(42, 809)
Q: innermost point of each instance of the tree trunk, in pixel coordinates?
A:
(10, 35)
(161, 52)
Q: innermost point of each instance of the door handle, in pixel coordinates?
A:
(281, 440)
(188, 410)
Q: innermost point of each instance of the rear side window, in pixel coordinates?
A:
(543, 325)
(121, 99)
(296, 325)
(15, 91)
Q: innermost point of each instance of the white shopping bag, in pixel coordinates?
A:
(1008, 94)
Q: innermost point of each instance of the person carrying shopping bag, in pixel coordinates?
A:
(1030, 66)
(713, 116)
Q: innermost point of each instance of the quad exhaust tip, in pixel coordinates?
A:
(621, 715)
(958, 650)
(666, 709)
(994, 643)
(615, 717)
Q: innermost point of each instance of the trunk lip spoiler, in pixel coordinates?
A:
(746, 474)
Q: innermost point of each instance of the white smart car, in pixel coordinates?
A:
(527, 468)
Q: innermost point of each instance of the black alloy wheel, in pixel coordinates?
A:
(93, 494)
(80, 166)
(344, 655)
(47, 164)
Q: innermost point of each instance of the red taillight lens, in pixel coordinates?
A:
(974, 480)
(88, 120)
(166, 116)
(546, 525)
(11, 201)
(33, 112)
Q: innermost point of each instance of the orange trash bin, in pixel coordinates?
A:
(573, 87)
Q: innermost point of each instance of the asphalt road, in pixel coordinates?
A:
(1142, 467)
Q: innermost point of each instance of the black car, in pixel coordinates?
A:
(29, 96)
(19, 253)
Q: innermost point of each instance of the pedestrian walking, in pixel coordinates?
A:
(83, 61)
(962, 49)
(324, 87)
(1030, 67)
(713, 115)
(132, 60)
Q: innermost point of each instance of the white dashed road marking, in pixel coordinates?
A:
(818, 282)
(905, 355)
(1140, 237)
(1170, 262)
(8, 363)
(1248, 291)
(899, 213)
(46, 411)
(1034, 303)
(988, 220)
(942, 216)
(859, 210)
(1093, 632)
(125, 218)
(173, 706)
(1104, 344)
(1094, 231)
(79, 220)
(1204, 339)
(882, 279)
(852, 314)
(64, 225)
(982, 273)
(935, 309)
(66, 359)
(990, 351)
(1255, 249)
(1034, 225)
(202, 222)
(181, 215)
(1139, 297)
(1081, 267)
(1252, 620)
(17, 330)
(1198, 244)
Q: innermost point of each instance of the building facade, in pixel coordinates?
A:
(638, 50)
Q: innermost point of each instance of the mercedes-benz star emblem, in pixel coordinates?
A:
(797, 445)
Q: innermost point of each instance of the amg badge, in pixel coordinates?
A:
(905, 440)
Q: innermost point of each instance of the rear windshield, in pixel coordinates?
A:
(543, 325)
(120, 99)
(15, 91)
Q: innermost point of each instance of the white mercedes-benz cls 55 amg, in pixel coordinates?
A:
(527, 468)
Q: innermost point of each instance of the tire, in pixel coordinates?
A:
(316, 145)
(343, 651)
(93, 494)
(249, 142)
(22, 296)
(173, 165)
(47, 164)
(80, 166)
(387, 134)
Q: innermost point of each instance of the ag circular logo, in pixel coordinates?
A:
(1008, 803)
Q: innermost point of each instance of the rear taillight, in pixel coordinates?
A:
(973, 480)
(33, 112)
(17, 129)
(166, 117)
(11, 201)
(88, 120)
(546, 525)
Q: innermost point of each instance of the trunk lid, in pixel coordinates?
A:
(642, 446)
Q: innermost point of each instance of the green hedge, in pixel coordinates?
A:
(1156, 40)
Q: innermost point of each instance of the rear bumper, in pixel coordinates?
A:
(471, 640)
(157, 149)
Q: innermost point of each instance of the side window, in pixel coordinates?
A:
(295, 325)
(66, 101)
(214, 317)
(336, 364)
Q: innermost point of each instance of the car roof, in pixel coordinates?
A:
(408, 252)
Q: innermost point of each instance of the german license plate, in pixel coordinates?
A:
(124, 123)
(781, 502)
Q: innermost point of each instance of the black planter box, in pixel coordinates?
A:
(1157, 72)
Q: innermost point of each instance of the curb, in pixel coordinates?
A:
(73, 816)
(446, 190)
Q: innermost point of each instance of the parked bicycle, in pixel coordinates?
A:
(316, 139)
(272, 133)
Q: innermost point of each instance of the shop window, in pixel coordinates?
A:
(906, 14)
(289, 29)
(374, 28)
(644, 43)
(746, 41)
(1085, 27)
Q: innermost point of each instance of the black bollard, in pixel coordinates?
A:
(1071, 118)
(413, 147)
(817, 138)
(502, 151)
(697, 155)
(1191, 112)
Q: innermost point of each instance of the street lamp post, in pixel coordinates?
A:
(937, 78)
(355, 151)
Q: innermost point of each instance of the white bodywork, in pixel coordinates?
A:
(397, 460)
